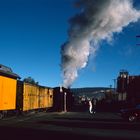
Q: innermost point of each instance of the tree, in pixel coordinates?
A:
(30, 80)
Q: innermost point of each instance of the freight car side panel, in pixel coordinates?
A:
(50, 98)
(7, 93)
(30, 97)
(43, 97)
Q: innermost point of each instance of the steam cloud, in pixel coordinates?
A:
(98, 20)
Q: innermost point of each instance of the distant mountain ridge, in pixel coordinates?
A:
(88, 89)
(97, 92)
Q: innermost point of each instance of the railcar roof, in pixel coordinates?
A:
(7, 71)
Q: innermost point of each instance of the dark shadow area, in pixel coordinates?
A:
(90, 119)
(95, 125)
(103, 106)
(13, 133)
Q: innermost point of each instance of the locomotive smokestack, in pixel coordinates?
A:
(98, 20)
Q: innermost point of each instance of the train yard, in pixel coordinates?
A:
(32, 111)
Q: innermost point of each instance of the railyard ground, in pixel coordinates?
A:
(68, 125)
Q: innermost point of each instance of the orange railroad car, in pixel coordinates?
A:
(8, 84)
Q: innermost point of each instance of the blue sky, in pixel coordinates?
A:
(32, 32)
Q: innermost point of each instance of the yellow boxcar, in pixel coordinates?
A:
(7, 93)
(43, 95)
(30, 97)
(27, 96)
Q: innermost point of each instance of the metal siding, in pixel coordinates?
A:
(43, 97)
(7, 93)
(50, 98)
(30, 97)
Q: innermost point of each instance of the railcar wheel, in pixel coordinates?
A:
(25, 113)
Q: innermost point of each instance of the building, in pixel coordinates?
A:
(122, 84)
(128, 87)
(133, 89)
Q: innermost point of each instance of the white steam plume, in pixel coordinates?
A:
(97, 21)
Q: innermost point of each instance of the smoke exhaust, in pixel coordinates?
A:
(96, 21)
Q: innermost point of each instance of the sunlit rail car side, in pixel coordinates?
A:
(50, 98)
(7, 93)
(43, 91)
(8, 84)
(27, 96)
